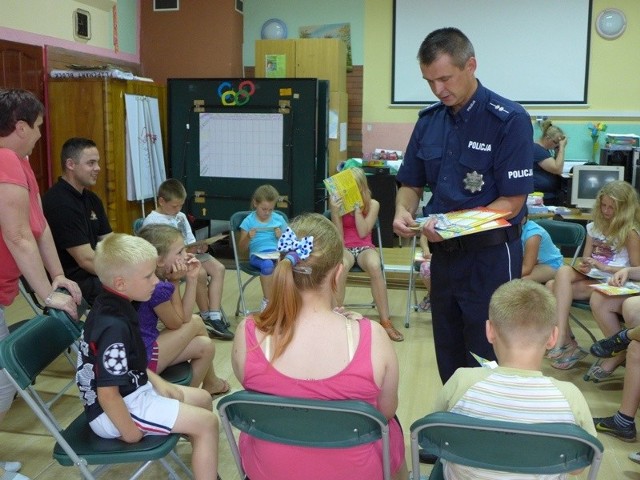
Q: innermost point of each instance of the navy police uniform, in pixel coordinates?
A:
(75, 219)
(468, 160)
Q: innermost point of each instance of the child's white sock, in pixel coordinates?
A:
(214, 315)
(264, 304)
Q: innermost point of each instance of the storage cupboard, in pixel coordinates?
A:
(95, 108)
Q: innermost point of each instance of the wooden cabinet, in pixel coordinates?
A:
(322, 58)
(95, 109)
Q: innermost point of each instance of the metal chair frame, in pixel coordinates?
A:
(76, 445)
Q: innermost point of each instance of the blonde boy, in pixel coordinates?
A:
(122, 399)
(171, 198)
(521, 327)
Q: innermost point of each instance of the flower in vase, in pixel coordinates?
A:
(594, 131)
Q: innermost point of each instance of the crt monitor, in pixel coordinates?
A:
(589, 179)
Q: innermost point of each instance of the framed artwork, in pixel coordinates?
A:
(166, 5)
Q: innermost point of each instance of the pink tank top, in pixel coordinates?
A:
(350, 233)
(267, 461)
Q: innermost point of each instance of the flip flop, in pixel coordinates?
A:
(557, 352)
(394, 334)
(224, 390)
(569, 360)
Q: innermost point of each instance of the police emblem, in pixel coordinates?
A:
(473, 182)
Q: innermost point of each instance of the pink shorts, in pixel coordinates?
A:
(152, 414)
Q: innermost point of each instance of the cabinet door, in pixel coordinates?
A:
(76, 109)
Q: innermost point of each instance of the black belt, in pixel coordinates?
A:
(477, 241)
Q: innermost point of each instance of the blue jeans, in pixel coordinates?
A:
(265, 265)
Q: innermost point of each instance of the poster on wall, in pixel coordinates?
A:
(144, 154)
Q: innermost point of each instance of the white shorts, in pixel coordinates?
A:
(152, 413)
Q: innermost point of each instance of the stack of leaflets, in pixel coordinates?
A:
(343, 186)
(466, 222)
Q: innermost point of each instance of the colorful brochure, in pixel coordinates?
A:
(343, 185)
(628, 288)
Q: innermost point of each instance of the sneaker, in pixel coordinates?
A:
(608, 425)
(13, 476)
(610, 347)
(635, 457)
(425, 304)
(217, 329)
(11, 466)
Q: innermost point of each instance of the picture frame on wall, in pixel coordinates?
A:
(240, 6)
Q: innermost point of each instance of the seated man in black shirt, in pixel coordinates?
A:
(76, 215)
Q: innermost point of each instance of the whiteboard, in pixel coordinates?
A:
(530, 51)
(241, 145)
(144, 154)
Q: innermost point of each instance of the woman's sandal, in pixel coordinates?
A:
(597, 373)
(394, 334)
(224, 390)
(557, 352)
(569, 360)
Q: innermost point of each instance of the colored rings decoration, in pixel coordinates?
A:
(230, 97)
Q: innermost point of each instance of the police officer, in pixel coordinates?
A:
(473, 148)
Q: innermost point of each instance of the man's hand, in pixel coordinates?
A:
(402, 223)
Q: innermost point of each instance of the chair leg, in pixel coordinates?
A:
(583, 326)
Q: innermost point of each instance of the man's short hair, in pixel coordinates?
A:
(446, 41)
(172, 189)
(118, 252)
(17, 105)
(523, 308)
(73, 149)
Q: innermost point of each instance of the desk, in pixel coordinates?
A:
(574, 215)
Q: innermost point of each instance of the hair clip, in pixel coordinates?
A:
(302, 269)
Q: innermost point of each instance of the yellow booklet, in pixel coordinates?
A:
(343, 185)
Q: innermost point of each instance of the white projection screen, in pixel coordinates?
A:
(530, 51)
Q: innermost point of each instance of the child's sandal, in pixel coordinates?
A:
(394, 334)
(570, 359)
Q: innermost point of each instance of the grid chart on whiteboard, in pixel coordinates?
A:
(241, 145)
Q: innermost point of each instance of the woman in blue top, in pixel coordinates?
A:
(541, 258)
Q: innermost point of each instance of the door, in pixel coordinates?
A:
(21, 66)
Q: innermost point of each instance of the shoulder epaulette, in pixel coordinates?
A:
(431, 108)
(499, 108)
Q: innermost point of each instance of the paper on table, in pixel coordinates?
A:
(267, 255)
(208, 241)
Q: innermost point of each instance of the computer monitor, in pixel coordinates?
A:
(589, 179)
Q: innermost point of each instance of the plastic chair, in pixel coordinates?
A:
(569, 236)
(137, 225)
(242, 261)
(356, 268)
(524, 448)
(303, 422)
(76, 445)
